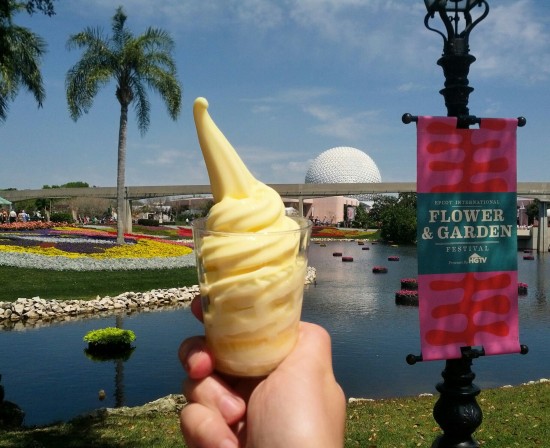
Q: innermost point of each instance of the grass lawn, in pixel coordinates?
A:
(513, 417)
(64, 285)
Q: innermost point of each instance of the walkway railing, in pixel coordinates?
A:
(540, 190)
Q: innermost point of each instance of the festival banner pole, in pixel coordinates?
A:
(466, 232)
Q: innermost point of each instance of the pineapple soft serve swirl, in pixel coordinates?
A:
(252, 283)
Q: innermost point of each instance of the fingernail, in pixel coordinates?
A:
(189, 359)
(230, 407)
(228, 443)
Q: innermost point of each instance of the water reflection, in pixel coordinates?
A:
(11, 415)
(371, 337)
(541, 269)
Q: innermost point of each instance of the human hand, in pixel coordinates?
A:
(300, 404)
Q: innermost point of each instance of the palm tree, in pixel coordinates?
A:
(134, 63)
(21, 52)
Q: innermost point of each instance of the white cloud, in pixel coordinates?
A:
(375, 30)
(335, 124)
(296, 95)
(290, 172)
(411, 87)
(263, 14)
(261, 109)
(512, 43)
(164, 157)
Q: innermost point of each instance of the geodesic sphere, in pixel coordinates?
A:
(342, 164)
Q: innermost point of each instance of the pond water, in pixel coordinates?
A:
(46, 372)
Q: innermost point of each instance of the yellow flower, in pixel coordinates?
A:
(48, 251)
(143, 248)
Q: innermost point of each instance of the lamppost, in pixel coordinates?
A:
(457, 411)
(456, 16)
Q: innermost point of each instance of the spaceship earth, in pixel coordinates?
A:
(343, 164)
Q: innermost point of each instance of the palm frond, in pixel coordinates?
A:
(82, 82)
(142, 106)
(168, 87)
(28, 49)
(91, 38)
(156, 39)
(3, 107)
(22, 52)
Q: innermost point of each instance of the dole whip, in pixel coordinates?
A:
(251, 260)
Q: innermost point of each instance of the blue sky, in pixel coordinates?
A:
(286, 80)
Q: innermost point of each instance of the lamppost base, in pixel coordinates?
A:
(457, 411)
(444, 442)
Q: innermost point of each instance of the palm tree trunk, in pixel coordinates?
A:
(121, 174)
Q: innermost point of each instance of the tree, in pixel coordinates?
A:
(21, 52)
(46, 6)
(381, 202)
(134, 63)
(74, 184)
(397, 217)
(399, 224)
(532, 211)
(361, 217)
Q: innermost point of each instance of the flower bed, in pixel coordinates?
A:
(30, 225)
(406, 297)
(73, 248)
(522, 288)
(185, 232)
(338, 233)
(410, 284)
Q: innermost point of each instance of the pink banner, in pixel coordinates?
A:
(467, 237)
(466, 160)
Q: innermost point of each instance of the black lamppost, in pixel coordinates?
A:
(456, 16)
(457, 411)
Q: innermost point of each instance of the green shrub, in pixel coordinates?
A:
(109, 336)
(148, 222)
(61, 217)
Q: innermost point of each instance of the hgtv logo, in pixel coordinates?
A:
(476, 259)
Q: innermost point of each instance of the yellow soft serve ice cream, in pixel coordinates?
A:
(251, 260)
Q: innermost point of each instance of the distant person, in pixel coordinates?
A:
(13, 216)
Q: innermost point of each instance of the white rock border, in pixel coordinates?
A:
(37, 312)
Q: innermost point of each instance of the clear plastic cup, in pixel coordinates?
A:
(251, 290)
